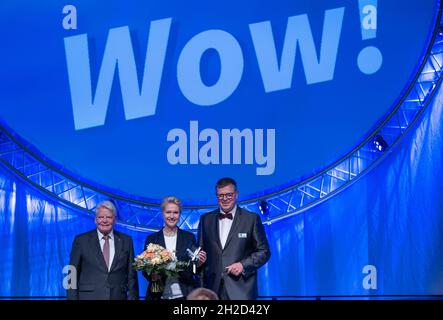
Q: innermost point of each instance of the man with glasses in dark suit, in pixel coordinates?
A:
(235, 244)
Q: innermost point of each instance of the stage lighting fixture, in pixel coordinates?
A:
(379, 143)
(264, 208)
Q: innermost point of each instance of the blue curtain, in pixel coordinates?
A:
(392, 219)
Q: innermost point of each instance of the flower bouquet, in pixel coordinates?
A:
(158, 260)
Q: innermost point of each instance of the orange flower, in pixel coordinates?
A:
(165, 253)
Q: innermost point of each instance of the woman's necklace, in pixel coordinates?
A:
(169, 233)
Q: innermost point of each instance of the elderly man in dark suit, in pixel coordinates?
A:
(103, 261)
(235, 244)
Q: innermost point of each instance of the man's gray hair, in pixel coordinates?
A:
(108, 205)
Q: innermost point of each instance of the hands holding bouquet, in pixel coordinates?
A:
(158, 262)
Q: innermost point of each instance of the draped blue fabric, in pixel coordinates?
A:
(391, 219)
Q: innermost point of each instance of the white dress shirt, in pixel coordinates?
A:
(224, 226)
(170, 242)
(111, 246)
(171, 245)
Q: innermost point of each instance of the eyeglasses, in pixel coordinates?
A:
(228, 196)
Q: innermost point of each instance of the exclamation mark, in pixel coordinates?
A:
(369, 59)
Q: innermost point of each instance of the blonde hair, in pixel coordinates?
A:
(173, 200)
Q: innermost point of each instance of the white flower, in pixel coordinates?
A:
(171, 265)
(156, 260)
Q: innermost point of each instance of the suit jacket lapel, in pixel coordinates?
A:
(117, 250)
(234, 226)
(161, 238)
(95, 244)
(179, 247)
(216, 229)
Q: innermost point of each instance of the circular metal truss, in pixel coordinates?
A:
(144, 216)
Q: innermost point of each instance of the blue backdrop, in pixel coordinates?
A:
(127, 81)
(392, 218)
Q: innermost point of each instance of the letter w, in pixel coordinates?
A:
(91, 113)
(277, 77)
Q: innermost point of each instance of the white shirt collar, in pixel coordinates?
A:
(101, 235)
(231, 212)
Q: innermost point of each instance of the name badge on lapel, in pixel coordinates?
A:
(242, 235)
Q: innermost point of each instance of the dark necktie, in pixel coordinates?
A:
(223, 216)
(106, 250)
